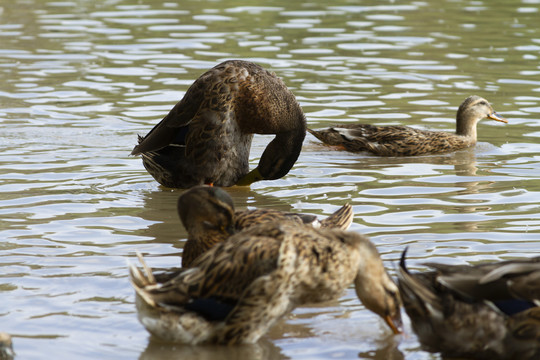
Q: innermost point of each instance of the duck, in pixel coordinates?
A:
(489, 311)
(208, 215)
(206, 137)
(399, 140)
(237, 290)
(6, 347)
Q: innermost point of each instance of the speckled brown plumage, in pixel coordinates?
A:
(209, 217)
(406, 141)
(206, 137)
(484, 312)
(259, 275)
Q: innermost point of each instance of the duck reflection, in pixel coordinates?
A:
(262, 350)
(290, 331)
(160, 209)
(464, 161)
(388, 350)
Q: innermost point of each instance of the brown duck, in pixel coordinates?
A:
(406, 141)
(241, 287)
(209, 217)
(206, 137)
(489, 311)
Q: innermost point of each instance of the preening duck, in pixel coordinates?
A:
(206, 137)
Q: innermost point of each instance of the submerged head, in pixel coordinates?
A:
(204, 208)
(375, 288)
(472, 110)
(280, 154)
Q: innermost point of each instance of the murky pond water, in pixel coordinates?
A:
(81, 78)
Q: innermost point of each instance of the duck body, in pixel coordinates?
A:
(206, 137)
(398, 140)
(485, 312)
(209, 217)
(258, 276)
(340, 219)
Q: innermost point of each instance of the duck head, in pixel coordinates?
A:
(206, 208)
(375, 288)
(281, 153)
(472, 110)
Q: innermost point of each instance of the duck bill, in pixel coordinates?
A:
(497, 117)
(250, 178)
(394, 324)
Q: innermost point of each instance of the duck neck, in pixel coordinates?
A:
(466, 125)
(467, 131)
(199, 243)
(281, 154)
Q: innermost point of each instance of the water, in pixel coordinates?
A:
(81, 78)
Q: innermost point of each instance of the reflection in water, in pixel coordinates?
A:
(159, 208)
(388, 350)
(82, 78)
(262, 350)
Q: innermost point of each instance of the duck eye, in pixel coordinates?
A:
(483, 103)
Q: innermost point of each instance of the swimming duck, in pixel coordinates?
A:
(206, 137)
(240, 288)
(486, 312)
(209, 217)
(406, 141)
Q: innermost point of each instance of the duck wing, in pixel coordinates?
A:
(488, 312)
(502, 281)
(222, 273)
(340, 219)
(173, 127)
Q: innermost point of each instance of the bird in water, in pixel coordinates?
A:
(206, 137)
(209, 217)
(240, 288)
(489, 311)
(397, 140)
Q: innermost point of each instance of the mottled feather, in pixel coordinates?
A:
(206, 137)
(486, 312)
(263, 273)
(209, 217)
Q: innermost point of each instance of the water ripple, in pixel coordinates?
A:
(82, 79)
